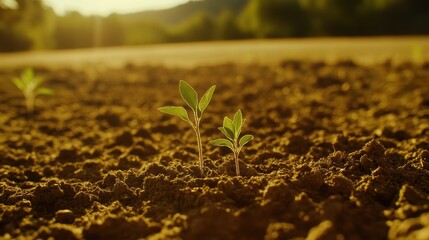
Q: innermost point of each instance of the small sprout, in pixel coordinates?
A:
(232, 129)
(29, 86)
(191, 98)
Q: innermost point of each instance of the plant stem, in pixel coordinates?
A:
(237, 165)
(200, 151)
(29, 103)
(199, 142)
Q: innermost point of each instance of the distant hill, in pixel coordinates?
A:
(182, 12)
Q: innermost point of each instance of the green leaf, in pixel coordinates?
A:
(175, 111)
(245, 139)
(44, 91)
(229, 125)
(27, 75)
(222, 142)
(18, 83)
(205, 100)
(37, 81)
(227, 133)
(188, 94)
(238, 122)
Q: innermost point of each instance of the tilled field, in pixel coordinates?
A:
(341, 151)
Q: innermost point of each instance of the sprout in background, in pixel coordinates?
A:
(29, 84)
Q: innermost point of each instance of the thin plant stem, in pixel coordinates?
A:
(200, 149)
(29, 102)
(199, 142)
(237, 165)
(236, 152)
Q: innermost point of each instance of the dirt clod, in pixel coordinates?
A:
(64, 216)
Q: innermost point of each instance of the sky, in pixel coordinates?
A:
(106, 7)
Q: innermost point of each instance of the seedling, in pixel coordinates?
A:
(30, 87)
(232, 129)
(191, 98)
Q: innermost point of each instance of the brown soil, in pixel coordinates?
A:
(341, 151)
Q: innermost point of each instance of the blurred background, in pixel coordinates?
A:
(37, 24)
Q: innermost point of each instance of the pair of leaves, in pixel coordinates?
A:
(232, 129)
(223, 142)
(191, 98)
(27, 77)
(28, 83)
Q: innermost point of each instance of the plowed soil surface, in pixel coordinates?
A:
(341, 151)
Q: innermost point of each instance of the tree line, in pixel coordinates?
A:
(29, 24)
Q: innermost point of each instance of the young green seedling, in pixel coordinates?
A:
(29, 84)
(232, 129)
(191, 98)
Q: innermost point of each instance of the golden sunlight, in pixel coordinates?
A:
(106, 7)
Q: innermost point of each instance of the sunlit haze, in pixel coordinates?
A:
(106, 7)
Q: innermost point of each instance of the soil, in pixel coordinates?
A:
(341, 151)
